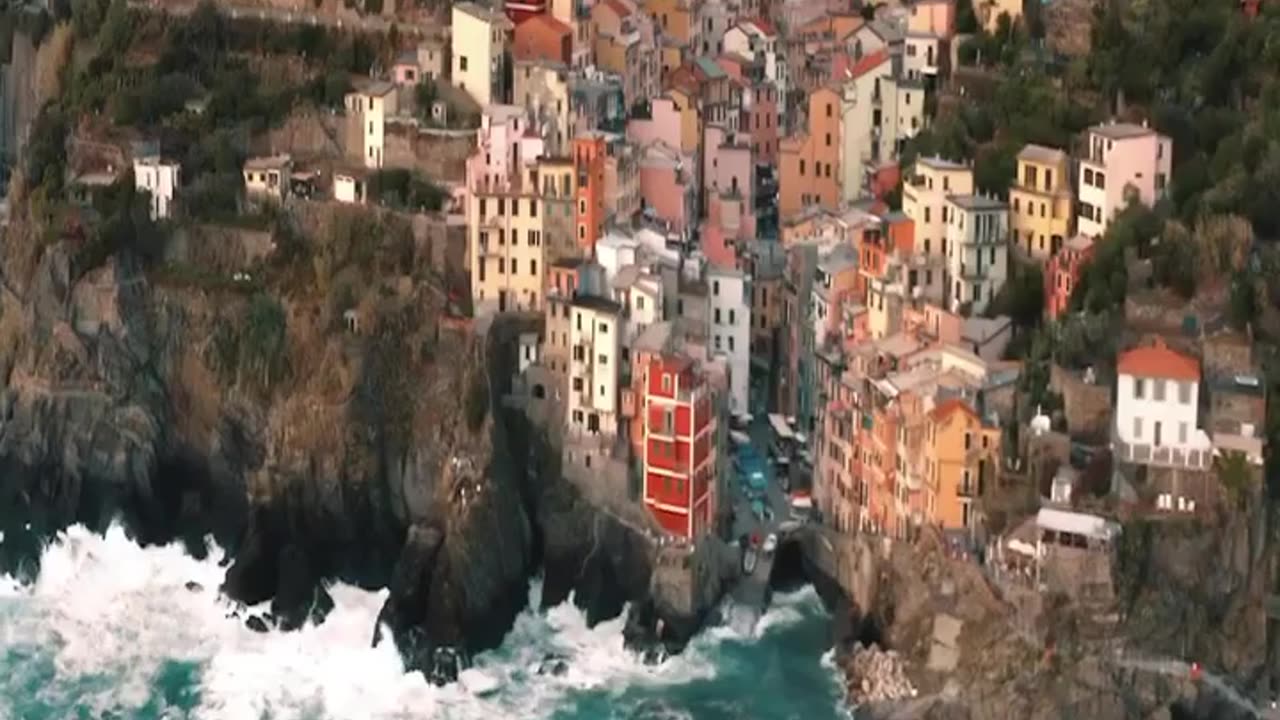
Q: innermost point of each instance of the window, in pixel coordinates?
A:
(828, 139)
(533, 207)
(715, 288)
(717, 316)
(1157, 390)
(1182, 433)
(604, 328)
(1184, 393)
(577, 387)
(666, 383)
(1139, 388)
(482, 208)
(502, 265)
(513, 266)
(1100, 181)
(968, 441)
(802, 166)
(828, 109)
(1088, 176)
(732, 319)
(926, 214)
(462, 63)
(533, 267)
(602, 360)
(1137, 428)
(640, 302)
(717, 342)
(730, 343)
(502, 206)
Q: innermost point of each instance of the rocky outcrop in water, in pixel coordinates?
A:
(375, 459)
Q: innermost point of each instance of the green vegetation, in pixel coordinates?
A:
(251, 348)
(402, 189)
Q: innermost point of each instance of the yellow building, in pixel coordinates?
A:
(505, 240)
(924, 194)
(674, 19)
(1040, 201)
(962, 456)
(480, 40)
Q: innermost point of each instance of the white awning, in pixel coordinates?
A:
(1091, 526)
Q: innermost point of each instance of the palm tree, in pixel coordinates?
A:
(1236, 475)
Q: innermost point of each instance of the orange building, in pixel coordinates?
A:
(962, 455)
(679, 447)
(588, 212)
(542, 37)
(1063, 274)
(809, 162)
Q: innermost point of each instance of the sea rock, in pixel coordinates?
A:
(257, 624)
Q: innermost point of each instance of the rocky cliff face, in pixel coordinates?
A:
(367, 455)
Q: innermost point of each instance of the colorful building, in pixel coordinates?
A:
(542, 37)
(1040, 201)
(809, 162)
(1123, 161)
(679, 462)
(1063, 274)
(480, 41)
(924, 194)
(962, 456)
(588, 214)
(1157, 412)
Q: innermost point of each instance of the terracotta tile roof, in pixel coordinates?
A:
(945, 410)
(546, 21)
(869, 63)
(1158, 361)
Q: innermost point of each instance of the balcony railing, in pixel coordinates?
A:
(1163, 455)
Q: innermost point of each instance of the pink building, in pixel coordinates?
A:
(663, 124)
(728, 174)
(503, 146)
(1121, 161)
(667, 186)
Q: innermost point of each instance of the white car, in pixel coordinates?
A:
(770, 544)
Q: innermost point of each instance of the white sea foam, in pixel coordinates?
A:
(108, 609)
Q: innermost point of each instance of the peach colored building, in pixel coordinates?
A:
(667, 186)
(728, 180)
(933, 17)
(962, 455)
(809, 162)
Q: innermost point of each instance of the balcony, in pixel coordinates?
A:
(1163, 455)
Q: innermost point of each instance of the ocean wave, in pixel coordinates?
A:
(108, 623)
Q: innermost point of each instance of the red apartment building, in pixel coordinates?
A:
(1063, 274)
(679, 447)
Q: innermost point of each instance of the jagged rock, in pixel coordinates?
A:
(257, 624)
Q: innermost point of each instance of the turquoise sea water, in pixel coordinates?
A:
(110, 630)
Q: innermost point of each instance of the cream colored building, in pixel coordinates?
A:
(594, 339)
(542, 89)
(1040, 201)
(505, 242)
(267, 178)
(879, 112)
(479, 44)
(924, 193)
(370, 106)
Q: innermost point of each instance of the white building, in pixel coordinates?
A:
(1158, 408)
(594, 339)
(977, 256)
(159, 178)
(1123, 161)
(349, 186)
(480, 39)
(370, 106)
(878, 113)
(730, 330)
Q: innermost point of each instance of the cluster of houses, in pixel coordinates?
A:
(692, 195)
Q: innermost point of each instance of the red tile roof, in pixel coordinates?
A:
(869, 63)
(764, 25)
(550, 23)
(1158, 361)
(950, 406)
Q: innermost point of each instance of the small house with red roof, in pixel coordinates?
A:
(542, 37)
(1158, 409)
